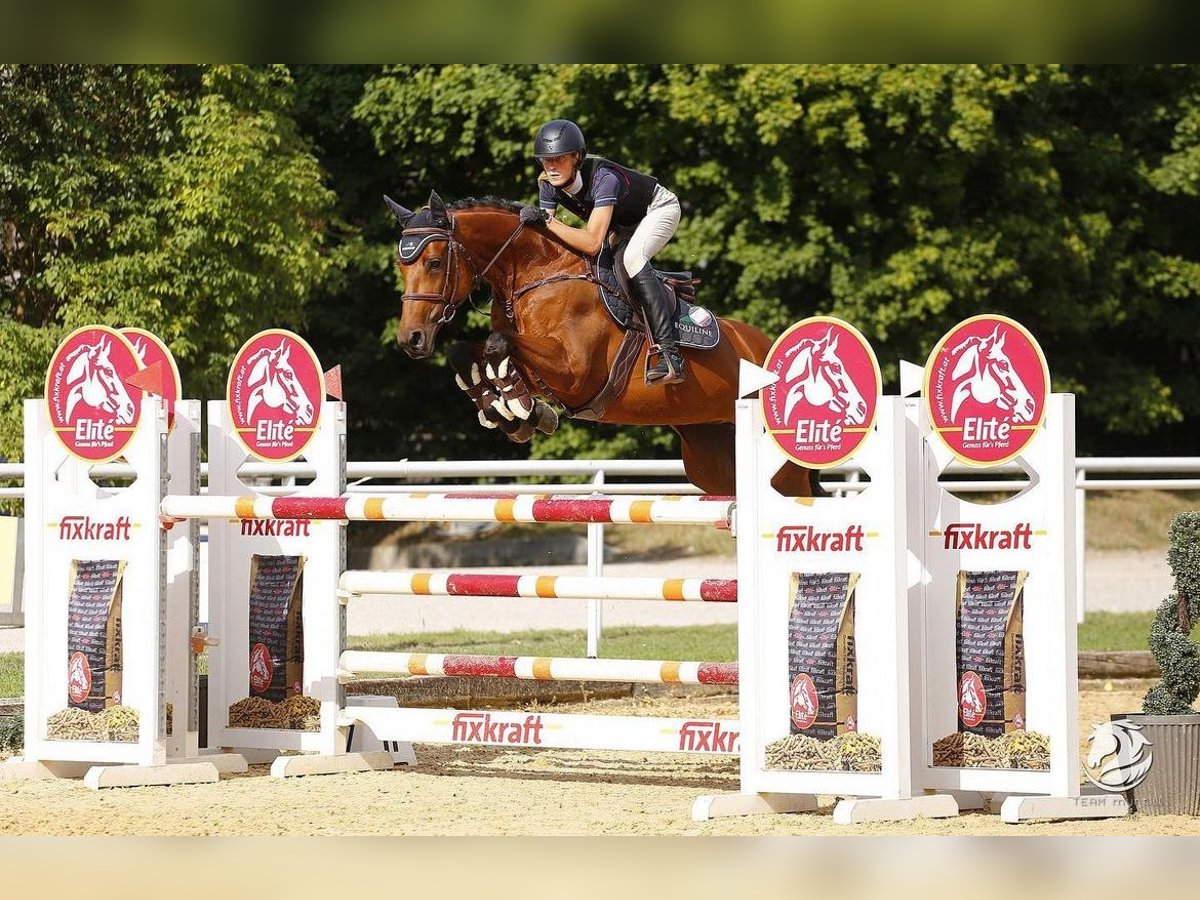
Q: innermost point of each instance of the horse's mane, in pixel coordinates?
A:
(489, 202)
(424, 217)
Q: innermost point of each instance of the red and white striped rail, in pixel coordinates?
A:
(537, 668)
(458, 507)
(561, 587)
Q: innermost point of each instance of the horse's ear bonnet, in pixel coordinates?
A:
(402, 215)
(432, 216)
(439, 218)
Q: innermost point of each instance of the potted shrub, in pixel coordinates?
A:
(1168, 720)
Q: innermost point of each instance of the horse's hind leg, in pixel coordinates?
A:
(708, 456)
(796, 481)
(515, 395)
(467, 362)
(708, 462)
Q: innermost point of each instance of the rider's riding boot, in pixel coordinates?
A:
(655, 303)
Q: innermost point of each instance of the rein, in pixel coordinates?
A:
(423, 236)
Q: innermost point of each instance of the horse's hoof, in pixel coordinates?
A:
(547, 419)
(523, 434)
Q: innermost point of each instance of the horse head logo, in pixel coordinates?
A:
(972, 702)
(273, 382)
(818, 376)
(804, 701)
(984, 372)
(92, 379)
(1119, 755)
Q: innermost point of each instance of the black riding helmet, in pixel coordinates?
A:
(556, 137)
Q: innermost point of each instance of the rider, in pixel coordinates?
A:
(609, 197)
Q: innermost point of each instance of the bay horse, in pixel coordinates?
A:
(553, 339)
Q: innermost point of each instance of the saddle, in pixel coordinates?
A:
(697, 327)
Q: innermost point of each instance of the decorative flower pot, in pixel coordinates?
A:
(1172, 786)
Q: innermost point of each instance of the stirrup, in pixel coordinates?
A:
(674, 374)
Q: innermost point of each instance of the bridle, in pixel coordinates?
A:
(413, 242)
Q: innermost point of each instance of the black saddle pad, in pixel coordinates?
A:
(698, 328)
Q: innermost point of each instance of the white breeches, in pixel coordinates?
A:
(653, 232)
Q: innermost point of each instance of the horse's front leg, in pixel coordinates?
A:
(467, 362)
(501, 370)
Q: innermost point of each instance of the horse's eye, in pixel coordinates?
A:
(434, 263)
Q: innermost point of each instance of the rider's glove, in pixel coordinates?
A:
(533, 215)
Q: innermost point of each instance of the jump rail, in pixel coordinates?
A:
(561, 587)
(536, 668)
(459, 507)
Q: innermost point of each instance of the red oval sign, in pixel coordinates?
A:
(262, 668)
(823, 405)
(92, 410)
(986, 385)
(79, 678)
(274, 393)
(972, 699)
(804, 701)
(150, 349)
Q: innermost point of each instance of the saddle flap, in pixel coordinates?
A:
(697, 327)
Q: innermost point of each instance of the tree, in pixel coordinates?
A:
(183, 200)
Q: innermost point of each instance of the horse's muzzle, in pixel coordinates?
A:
(416, 343)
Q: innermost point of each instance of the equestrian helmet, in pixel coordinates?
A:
(556, 137)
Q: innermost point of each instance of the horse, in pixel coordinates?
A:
(818, 376)
(273, 381)
(1129, 750)
(990, 377)
(93, 379)
(552, 339)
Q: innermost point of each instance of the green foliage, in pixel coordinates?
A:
(206, 203)
(1170, 635)
(183, 200)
